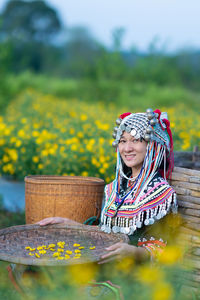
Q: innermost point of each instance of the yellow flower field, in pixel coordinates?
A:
(42, 134)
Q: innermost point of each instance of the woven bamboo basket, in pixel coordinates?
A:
(186, 183)
(15, 239)
(74, 197)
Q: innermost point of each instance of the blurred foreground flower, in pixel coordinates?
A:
(171, 255)
(82, 274)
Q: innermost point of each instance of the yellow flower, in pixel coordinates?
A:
(56, 254)
(42, 251)
(59, 258)
(39, 248)
(51, 246)
(35, 159)
(60, 250)
(80, 274)
(84, 173)
(92, 247)
(83, 117)
(162, 291)
(77, 251)
(23, 150)
(149, 274)
(31, 254)
(67, 256)
(68, 252)
(171, 255)
(76, 245)
(37, 255)
(21, 133)
(61, 244)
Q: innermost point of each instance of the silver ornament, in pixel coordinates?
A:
(139, 224)
(122, 127)
(146, 222)
(114, 144)
(133, 132)
(158, 217)
(147, 137)
(149, 110)
(118, 121)
(150, 116)
(103, 227)
(151, 221)
(126, 230)
(116, 129)
(114, 135)
(133, 228)
(115, 229)
(149, 130)
(153, 121)
(128, 129)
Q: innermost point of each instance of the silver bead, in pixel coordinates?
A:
(146, 222)
(149, 130)
(114, 144)
(151, 221)
(115, 229)
(116, 129)
(128, 129)
(147, 137)
(118, 121)
(149, 110)
(139, 224)
(122, 127)
(150, 116)
(114, 135)
(153, 121)
(126, 230)
(158, 217)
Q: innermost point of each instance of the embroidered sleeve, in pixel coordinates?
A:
(154, 246)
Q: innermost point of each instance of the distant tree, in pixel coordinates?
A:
(29, 21)
(30, 27)
(80, 52)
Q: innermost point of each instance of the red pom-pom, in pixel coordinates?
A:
(167, 122)
(157, 111)
(124, 115)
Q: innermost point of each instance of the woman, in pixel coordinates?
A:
(139, 194)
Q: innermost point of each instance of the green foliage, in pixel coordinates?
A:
(135, 95)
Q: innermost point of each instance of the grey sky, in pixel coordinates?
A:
(175, 22)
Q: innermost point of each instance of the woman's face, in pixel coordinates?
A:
(132, 152)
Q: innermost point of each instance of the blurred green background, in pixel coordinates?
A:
(61, 90)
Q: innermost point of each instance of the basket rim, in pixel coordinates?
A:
(56, 179)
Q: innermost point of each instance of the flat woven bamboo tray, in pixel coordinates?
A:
(74, 197)
(15, 239)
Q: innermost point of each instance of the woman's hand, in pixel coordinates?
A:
(56, 220)
(121, 250)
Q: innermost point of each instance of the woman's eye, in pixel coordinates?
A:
(122, 141)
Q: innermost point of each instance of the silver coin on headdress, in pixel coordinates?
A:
(133, 132)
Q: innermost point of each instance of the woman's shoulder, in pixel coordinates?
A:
(159, 181)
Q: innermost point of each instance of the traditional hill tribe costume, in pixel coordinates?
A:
(131, 204)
